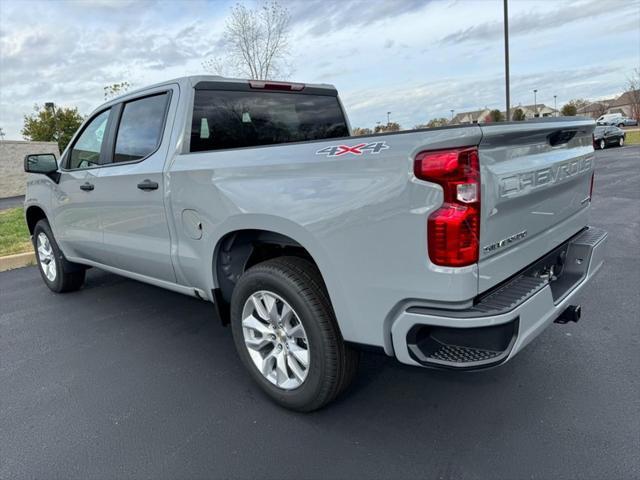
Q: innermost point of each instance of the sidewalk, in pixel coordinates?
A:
(11, 202)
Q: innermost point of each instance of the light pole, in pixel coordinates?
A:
(452, 114)
(506, 58)
(555, 105)
(388, 116)
(535, 103)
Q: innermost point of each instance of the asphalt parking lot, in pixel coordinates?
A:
(124, 380)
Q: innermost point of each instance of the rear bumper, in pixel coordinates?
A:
(505, 320)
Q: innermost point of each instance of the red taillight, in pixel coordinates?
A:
(276, 85)
(453, 231)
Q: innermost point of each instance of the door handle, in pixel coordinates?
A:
(87, 187)
(148, 185)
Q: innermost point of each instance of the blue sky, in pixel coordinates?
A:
(416, 58)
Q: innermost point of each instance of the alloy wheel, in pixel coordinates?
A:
(46, 257)
(275, 339)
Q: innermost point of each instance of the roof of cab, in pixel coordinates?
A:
(192, 80)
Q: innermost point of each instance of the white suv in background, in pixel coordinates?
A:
(616, 119)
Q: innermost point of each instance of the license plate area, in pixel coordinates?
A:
(563, 268)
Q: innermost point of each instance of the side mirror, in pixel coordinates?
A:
(44, 163)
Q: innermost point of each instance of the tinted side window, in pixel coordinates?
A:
(234, 119)
(86, 151)
(140, 129)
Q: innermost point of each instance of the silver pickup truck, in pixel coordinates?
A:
(447, 248)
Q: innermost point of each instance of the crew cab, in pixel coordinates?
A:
(446, 248)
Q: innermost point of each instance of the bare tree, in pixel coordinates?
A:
(115, 89)
(1, 134)
(599, 109)
(257, 43)
(633, 85)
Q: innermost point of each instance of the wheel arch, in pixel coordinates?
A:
(33, 214)
(239, 248)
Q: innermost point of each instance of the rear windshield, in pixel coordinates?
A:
(235, 119)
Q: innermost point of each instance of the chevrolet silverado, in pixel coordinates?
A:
(447, 248)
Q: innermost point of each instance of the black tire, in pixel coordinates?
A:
(69, 276)
(620, 125)
(621, 142)
(332, 365)
(602, 144)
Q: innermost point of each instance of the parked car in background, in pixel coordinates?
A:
(607, 136)
(616, 119)
(629, 122)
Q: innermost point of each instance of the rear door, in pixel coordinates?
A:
(536, 179)
(131, 190)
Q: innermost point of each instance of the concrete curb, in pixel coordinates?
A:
(17, 261)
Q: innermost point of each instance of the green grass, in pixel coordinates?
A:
(14, 234)
(633, 138)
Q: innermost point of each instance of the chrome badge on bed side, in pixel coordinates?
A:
(505, 241)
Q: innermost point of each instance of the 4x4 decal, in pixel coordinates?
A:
(359, 149)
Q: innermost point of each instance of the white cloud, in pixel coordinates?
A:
(417, 58)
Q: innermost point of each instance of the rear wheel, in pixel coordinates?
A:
(58, 273)
(602, 144)
(620, 125)
(286, 334)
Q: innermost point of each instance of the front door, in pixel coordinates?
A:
(75, 210)
(131, 190)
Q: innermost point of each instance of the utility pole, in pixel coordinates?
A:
(388, 114)
(555, 105)
(535, 103)
(452, 114)
(506, 58)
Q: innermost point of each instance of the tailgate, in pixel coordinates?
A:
(536, 179)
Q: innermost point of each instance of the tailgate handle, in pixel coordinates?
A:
(560, 137)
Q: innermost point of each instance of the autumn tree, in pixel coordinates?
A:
(389, 127)
(257, 43)
(53, 124)
(496, 116)
(518, 115)
(116, 89)
(434, 122)
(570, 109)
(361, 131)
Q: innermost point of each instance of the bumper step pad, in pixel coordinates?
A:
(458, 354)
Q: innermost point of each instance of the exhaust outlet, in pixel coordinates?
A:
(571, 314)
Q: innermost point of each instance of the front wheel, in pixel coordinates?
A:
(59, 274)
(286, 334)
(621, 142)
(602, 144)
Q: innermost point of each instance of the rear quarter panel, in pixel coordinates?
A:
(361, 217)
